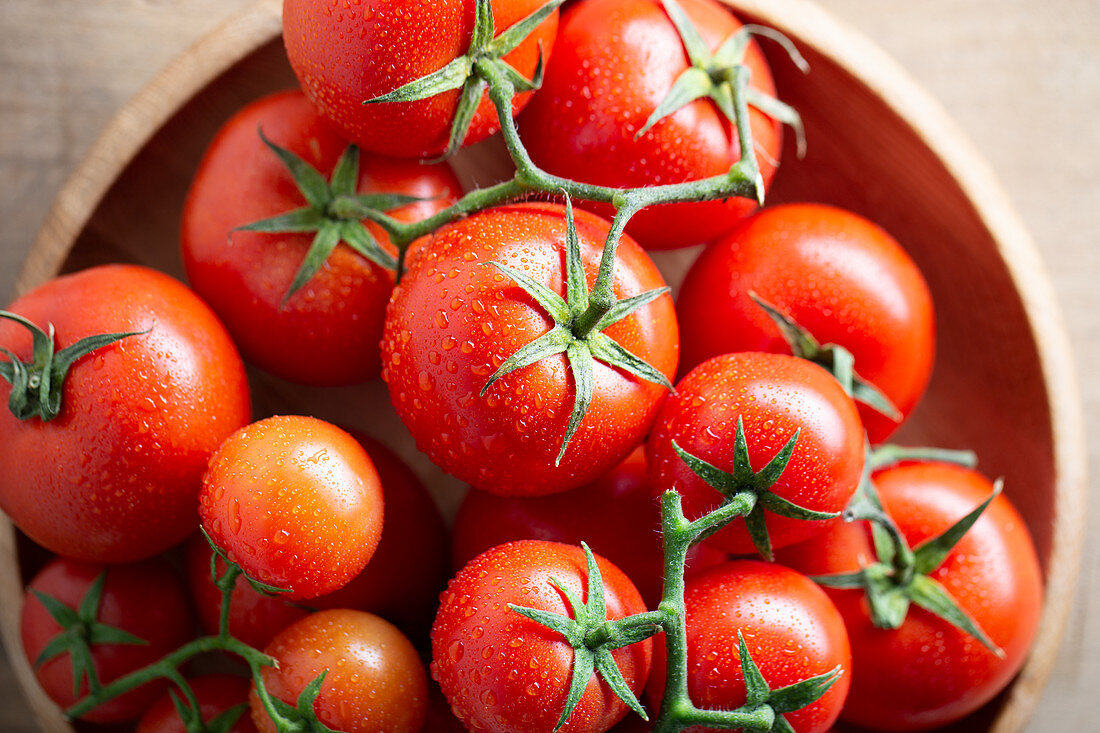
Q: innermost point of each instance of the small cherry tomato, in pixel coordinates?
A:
(791, 630)
(374, 682)
(327, 331)
(216, 694)
(929, 673)
(840, 277)
(115, 476)
(503, 671)
(145, 600)
(296, 502)
(775, 397)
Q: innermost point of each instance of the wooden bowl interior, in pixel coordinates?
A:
(987, 391)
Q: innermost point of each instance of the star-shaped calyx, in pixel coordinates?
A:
(463, 73)
(334, 211)
(593, 638)
(899, 576)
(723, 77)
(748, 492)
(578, 327)
(36, 385)
(191, 717)
(81, 630)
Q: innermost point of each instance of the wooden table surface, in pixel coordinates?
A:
(1021, 78)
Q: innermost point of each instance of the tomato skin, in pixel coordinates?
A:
(144, 598)
(631, 540)
(792, 631)
(927, 673)
(375, 683)
(774, 395)
(345, 55)
(614, 62)
(477, 641)
(115, 476)
(326, 333)
(216, 693)
(454, 319)
(296, 502)
(841, 277)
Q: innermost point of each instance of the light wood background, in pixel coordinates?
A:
(1022, 78)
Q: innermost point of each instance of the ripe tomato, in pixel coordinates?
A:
(842, 278)
(774, 396)
(614, 62)
(296, 502)
(632, 541)
(401, 582)
(327, 332)
(501, 670)
(791, 630)
(115, 476)
(144, 599)
(375, 681)
(344, 55)
(216, 693)
(928, 673)
(454, 319)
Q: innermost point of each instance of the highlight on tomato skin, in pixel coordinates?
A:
(296, 502)
(839, 276)
(146, 600)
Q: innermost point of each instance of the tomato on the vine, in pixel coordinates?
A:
(115, 475)
(326, 332)
(840, 277)
(928, 672)
(791, 630)
(374, 679)
(455, 318)
(345, 55)
(217, 695)
(774, 397)
(615, 61)
(296, 502)
(141, 607)
(503, 671)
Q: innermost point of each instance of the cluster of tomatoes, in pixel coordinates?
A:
(531, 352)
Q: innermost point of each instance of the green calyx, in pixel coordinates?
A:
(80, 631)
(579, 321)
(37, 385)
(334, 212)
(723, 77)
(593, 637)
(467, 72)
(899, 577)
(747, 492)
(191, 715)
(227, 581)
(836, 359)
(298, 718)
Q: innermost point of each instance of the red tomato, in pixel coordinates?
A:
(842, 278)
(928, 673)
(216, 694)
(502, 671)
(616, 515)
(791, 629)
(375, 681)
(115, 476)
(774, 396)
(344, 55)
(145, 599)
(327, 332)
(454, 319)
(615, 61)
(401, 582)
(296, 502)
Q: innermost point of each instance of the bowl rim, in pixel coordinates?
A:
(185, 76)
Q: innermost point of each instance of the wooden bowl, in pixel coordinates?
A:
(1003, 384)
